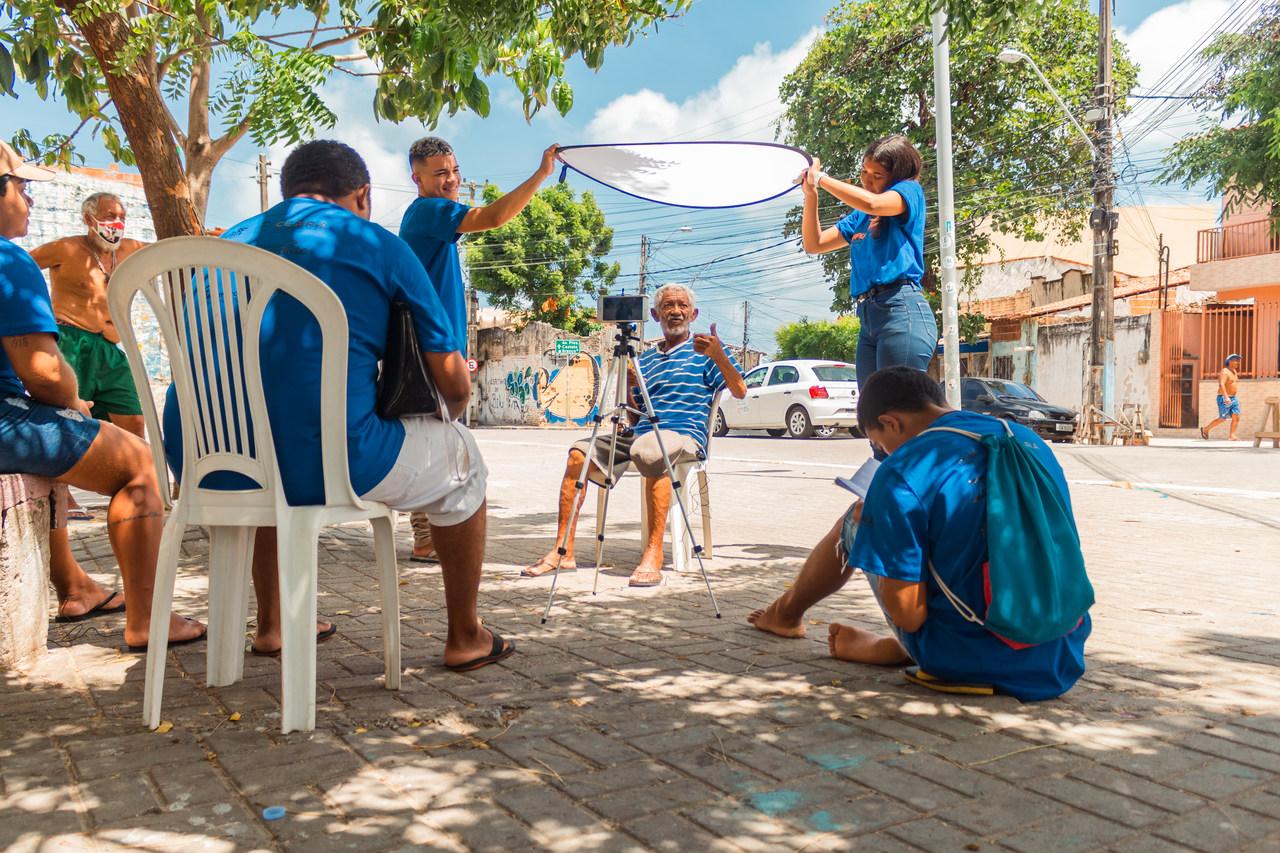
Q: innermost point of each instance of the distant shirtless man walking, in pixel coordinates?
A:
(1228, 402)
(79, 269)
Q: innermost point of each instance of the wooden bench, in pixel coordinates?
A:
(1270, 416)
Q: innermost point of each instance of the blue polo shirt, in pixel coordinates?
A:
(682, 384)
(927, 501)
(25, 308)
(897, 253)
(430, 227)
(368, 268)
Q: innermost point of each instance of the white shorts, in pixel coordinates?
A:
(439, 471)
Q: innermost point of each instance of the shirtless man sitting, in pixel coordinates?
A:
(79, 269)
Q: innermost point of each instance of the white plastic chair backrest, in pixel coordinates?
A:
(711, 421)
(199, 287)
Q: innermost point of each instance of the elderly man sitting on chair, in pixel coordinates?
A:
(683, 375)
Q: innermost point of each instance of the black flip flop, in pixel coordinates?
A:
(137, 650)
(1204, 433)
(94, 612)
(501, 650)
(321, 636)
(432, 559)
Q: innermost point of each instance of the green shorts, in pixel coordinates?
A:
(102, 371)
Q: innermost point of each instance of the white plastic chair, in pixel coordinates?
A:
(680, 536)
(197, 286)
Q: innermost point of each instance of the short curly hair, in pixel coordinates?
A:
(323, 167)
(428, 146)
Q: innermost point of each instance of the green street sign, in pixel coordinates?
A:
(568, 347)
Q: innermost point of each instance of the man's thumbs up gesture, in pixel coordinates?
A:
(709, 345)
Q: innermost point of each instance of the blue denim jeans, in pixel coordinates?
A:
(896, 326)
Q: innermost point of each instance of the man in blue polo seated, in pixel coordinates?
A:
(46, 430)
(926, 509)
(683, 375)
(411, 463)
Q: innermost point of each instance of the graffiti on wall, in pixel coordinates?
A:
(536, 390)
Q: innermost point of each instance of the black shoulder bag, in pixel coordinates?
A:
(405, 387)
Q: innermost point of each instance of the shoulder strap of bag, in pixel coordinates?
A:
(965, 611)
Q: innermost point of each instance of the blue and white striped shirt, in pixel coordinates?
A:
(682, 383)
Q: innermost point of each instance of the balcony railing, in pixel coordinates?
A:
(1238, 241)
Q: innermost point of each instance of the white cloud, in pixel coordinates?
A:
(743, 104)
(1166, 34)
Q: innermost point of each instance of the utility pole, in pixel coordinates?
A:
(946, 207)
(1103, 220)
(264, 175)
(644, 258)
(746, 314)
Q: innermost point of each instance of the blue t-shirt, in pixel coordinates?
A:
(367, 268)
(682, 383)
(25, 307)
(897, 253)
(927, 501)
(430, 227)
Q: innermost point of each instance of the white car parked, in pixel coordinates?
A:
(803, 398)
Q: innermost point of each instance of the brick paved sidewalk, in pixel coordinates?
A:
(635, 720)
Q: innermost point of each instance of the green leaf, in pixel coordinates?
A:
(477, 96)
(6, 71)
(562, 96)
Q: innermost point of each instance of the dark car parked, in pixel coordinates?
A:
(1016, 402)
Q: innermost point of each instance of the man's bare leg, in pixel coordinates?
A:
(657, 498)
(1204, 431)
(572, 470)
(77, 592)
(266, 589)
(136, 424)
(1235, 425)
(120, 465)
(862, 646)
(822, 575)
(461, 548)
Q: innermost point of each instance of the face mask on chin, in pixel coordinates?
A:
(108, 234)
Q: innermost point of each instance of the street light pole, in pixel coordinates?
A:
(946, 207)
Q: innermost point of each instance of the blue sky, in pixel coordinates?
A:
(712, 74)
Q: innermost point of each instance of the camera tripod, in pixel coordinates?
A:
(624, 361)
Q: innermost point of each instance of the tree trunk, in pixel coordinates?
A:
(143, 116)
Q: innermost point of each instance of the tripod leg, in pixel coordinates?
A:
(581, 483)
(677, 493)
(602, 509)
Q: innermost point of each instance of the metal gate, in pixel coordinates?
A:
(1180, 345)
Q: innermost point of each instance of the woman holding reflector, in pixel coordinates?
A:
(885, 236)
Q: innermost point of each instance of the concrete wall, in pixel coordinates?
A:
(522, 382)
(25, 514)
(1006, 278)
(1061, 363)
(1252, 396)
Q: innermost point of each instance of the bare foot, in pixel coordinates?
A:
(269, 642)
(1233, 438)
(181, 629)
(861, 646)
(649, 572)
(771, 619)
(547, 564)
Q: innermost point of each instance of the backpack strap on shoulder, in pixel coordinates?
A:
(963, 609)
(963, 432)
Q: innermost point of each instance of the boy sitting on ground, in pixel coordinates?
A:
(926, 509)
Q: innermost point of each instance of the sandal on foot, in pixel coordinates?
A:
(645, 579)
(532, 571)
(430, 558)
(916, 675)
(321, 636)
(501, 650)
(1204, 433)
(99, 609)
(79, 513)
(202, 635)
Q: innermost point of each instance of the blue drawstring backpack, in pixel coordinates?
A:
(1034, 580)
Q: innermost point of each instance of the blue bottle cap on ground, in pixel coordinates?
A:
(273, 812)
